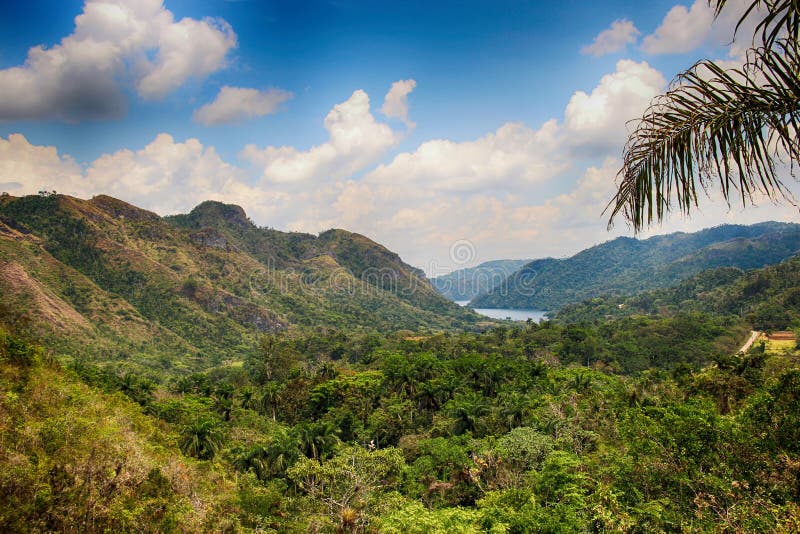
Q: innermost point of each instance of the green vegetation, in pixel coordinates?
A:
(75, 459)
(769, 298)
(145, 386)
(187, 292)
(501, 431)
(627, 266)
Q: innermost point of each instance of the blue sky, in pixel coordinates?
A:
(497, 123)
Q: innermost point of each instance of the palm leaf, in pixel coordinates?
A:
(781, 19)
(729, 127)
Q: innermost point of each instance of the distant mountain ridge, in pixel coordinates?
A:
(465, 284)
(767, 298)
(200, 286)
(627, 266)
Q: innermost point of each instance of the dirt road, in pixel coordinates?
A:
(749, 343)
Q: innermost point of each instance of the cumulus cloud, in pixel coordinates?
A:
(514, 192)
(166, 176)
(682, 30)
(685, 29)
(512, 155)
(492, 189)
(186, 49)
(498, 224)
(26, 168)
(395, 104)
(614, 39)
(355, 141)
(113, 41)
(235, 104)
(599, 118)
(502, 190)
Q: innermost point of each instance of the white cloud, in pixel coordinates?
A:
(395, 104)
(186, 49)
(514, 192)
(27, 168)
(682, 30)
(614, 39)
(686, 29)
(599, 118)
(234, 104)
(82, 76)
(356, 140)
(514, 155)
(165, 176)
(491, 189)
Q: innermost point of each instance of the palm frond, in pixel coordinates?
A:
(714, 125)
(781, 19)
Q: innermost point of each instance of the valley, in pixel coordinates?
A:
(222, 376)
(359, 267)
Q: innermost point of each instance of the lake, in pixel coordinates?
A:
(503, 313)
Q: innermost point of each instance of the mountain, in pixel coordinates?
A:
(465, 284)
(627, 266)
(196, 288)
(767, 298)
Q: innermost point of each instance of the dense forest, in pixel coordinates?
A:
(626, 266)
(768, 298)
(145, 387)
(504, 431)
(638, 424)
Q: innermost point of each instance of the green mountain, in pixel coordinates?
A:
(767, 298)
(627, 266)
(465, 284)
(192, 289)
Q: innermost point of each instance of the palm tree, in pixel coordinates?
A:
(255, 459)
(729, 127)
(316, 440)
(515, 407)
(269, 400)
(467, 411)
(248, 399)
(282, 452)
(202, 439)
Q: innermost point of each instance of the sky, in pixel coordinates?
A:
(451, 132)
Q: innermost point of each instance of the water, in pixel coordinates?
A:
(503, 313)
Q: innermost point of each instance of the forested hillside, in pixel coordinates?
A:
(768, 298)
(627, 266)
(194, 290)
(346, 432)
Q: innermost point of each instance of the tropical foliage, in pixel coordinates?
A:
(730, 129)
(626, 266)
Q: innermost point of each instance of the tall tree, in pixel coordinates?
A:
(201, 439)
(729, 128)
